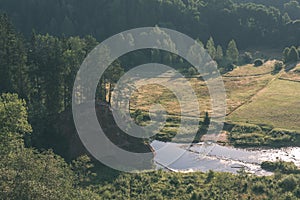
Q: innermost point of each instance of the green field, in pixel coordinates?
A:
(277, 105)
(254, 96)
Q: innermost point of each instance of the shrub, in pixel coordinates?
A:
(293, 55)
(258, 62)
(247, 58)
(285, 54)
(258, 188)
(278, 66)
(230, 67)
(283, 167)
(289, 183)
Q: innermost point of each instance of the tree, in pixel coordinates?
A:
(13, 69)
(247, 58)
(46, 61)
(286, 18)
(232, 52)
(286, 54)
(293, 9)
(258, 62)
(74, 52)
(210, 46)
(289, 183)
(111, 76)
(13, 115)
(278, 66)
(219, 54)
(293, 55)
(82, 168)
(26, 173)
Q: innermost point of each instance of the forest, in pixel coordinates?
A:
(42, 46)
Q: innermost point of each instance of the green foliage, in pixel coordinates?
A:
(26, 173)
(219, 54)
(43, 71)
(210, 46)
(258, 62)
(252, 135)
(286, 18)
(283, 167)
(278, 66)
(248, 23)
(232, 52)
(13, 69)
(293, 55)
(259, 188)
(285, 53)
(290, 54)
(289, 183)
(247, 58)
(82, 167)
(13, 115)
(293, 9)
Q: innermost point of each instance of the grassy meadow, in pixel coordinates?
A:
(255, 96)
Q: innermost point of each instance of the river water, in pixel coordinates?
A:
(210, 156)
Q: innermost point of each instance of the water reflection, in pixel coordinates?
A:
(204, 157)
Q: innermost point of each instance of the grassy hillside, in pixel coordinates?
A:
(255, 95)
(277, 105)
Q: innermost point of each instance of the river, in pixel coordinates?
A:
(210, 156)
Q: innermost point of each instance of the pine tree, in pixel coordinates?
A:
(210, 46)
(293, 55)
(286, 18)
(47, 72)
(232, 52)
(286, 54)
(219, 53)
(13, 69)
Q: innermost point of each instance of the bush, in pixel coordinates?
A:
(230, 67)
(259, 188)
(289, 183)
(278, 66)
(293, 55)
(286, 54)
(247, 58)
(283, 167)
(258, 62)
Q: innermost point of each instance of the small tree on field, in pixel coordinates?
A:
(278, 67)
(219, 53)
(258, 62)
(285, 54)
(293, 55)
(232, 52)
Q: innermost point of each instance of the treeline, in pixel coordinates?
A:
(248, 23)
(290, 7)
(291, 54)
(42, 71)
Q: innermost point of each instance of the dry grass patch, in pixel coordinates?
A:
(293, 75)
(251, 70)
